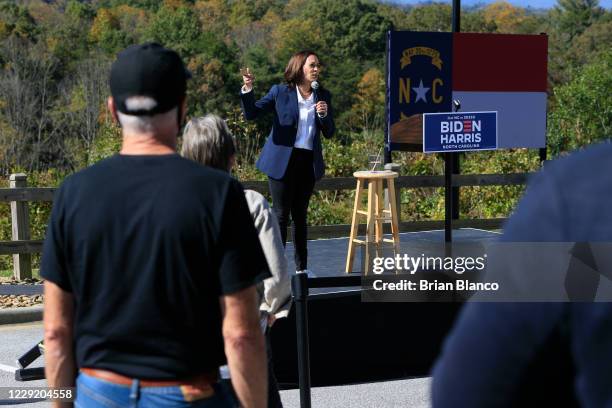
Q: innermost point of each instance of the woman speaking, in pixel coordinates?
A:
(292, 156)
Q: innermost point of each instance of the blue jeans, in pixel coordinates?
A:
(97, 393)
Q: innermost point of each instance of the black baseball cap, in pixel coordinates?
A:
(148, 70)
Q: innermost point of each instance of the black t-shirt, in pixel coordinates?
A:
(147, 244)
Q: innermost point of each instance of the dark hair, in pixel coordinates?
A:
(294, 72)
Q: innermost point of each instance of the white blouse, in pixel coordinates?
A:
(306, 123)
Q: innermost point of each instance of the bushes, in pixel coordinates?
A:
(581, 112)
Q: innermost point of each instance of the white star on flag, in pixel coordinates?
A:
(421, 92)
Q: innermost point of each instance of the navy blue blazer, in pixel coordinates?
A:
(282, 101)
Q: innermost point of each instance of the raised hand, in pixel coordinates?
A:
(247, 78)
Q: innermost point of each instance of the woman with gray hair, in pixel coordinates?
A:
(209, 141)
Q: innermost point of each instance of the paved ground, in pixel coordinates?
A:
(14, 341)
(21, 289)
(413, 393)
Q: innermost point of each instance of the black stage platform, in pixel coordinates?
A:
(351, 341)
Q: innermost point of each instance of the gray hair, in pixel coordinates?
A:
(208, 140)
(144, 124)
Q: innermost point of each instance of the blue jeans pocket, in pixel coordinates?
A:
(95, 393)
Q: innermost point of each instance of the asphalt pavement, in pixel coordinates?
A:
(14, 341)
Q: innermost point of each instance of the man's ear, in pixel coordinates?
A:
(110, 103)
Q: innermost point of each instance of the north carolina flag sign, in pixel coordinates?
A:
(484, 72)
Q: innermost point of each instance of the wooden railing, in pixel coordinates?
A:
(21, 246)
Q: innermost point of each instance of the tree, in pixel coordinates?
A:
(66, 32)
(213, 15)
(369, 107)
(350, 29)
(177, 28)
(115, 28)
(430, 17)
(474, 21)
(398, 16)
(295, 35)
(593, 42)
(567, 21)
(581, 112)
(574, 16)
(16, 21)
(27, 94)
(79, 115)
(505, 17)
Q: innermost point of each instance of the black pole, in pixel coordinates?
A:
(448, 201)
(451, 160)
(299, 288)
(543, 153)
(456, 165)
(456, 27)
(387, 142)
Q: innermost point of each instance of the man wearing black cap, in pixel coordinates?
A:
(150, 262)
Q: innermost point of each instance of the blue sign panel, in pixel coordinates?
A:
(419, 81)
(459, 131)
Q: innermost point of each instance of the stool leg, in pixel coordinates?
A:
(371, 225)
(394, 217)
(354, 227)
(380, 205)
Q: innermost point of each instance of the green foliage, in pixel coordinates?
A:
(16, 21)
(113, 29)
(582, 110)
(349, 29)
(495, 201)
(573, 42)
(431, 17)
(574, 16)
(177, 28)
(367, 112)
(106, 144)
(592, 42)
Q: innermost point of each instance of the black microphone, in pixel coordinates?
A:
(315, 85)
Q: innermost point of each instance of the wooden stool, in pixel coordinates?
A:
(375, 215)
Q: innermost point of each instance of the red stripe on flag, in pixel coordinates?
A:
(499, 62)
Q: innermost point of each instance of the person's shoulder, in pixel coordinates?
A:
(256, 201)
(283, 88)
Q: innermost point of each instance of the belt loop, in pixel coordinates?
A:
(135, 391)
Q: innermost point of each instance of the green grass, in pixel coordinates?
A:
(8, 273)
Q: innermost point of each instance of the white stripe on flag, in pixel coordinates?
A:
(521, 116)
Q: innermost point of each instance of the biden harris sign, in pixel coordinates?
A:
(459, 132)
